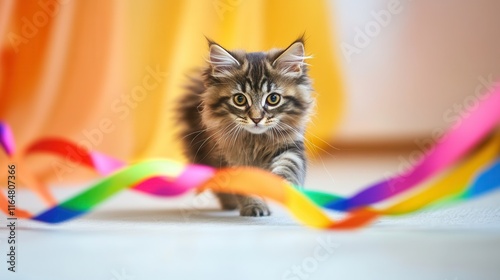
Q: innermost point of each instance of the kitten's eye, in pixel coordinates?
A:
(273, 99)
(239, 99)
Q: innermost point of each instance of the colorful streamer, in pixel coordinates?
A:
(473, 173)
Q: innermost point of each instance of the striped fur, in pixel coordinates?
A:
(217, 132)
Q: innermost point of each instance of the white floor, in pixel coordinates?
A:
(134, 236)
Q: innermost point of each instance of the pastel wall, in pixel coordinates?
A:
(421, 61)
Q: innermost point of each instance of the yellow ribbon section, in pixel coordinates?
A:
(305, 210)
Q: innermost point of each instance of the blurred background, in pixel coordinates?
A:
(107, 74)
(389, 76)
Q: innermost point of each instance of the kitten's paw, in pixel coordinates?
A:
(255, 210)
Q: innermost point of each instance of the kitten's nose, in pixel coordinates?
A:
(256, 120)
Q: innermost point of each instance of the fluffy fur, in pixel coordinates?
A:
(249, 109)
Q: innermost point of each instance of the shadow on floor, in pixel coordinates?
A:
(180, 216)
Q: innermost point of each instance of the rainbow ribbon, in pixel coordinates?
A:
(465, 162)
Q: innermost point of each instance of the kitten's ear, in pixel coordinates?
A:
(291, 60)
(221, 60)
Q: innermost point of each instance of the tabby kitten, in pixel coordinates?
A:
(249, 109)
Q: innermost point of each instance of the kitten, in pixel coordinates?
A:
(249, 109)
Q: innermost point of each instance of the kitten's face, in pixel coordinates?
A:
(257, 92)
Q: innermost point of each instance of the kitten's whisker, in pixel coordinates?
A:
(234, 136)
(216, 132)
(320, 158)
(229, 134)
(307, 142)
(285, 136)
(272, 134)
(199, 133)
(199, 148)
(320, 139)
(288, 136)
(204, 142)
(311, 144)
(206, 154)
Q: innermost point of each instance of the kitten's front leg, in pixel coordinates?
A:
(291, 165)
